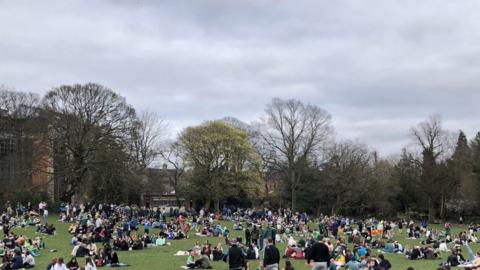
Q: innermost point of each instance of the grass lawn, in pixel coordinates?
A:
(162, 257)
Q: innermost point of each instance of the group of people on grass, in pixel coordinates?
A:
(72, 264)
(336, 242)
(327, 242)
(19, 251)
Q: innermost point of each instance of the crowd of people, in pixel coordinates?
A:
(19, 251)
(327, 242)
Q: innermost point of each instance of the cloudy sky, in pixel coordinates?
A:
(379, 67)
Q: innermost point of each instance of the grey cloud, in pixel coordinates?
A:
(378, 67)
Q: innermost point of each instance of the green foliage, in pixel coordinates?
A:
(222, 161)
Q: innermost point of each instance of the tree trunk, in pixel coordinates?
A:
(294, 191)
(217, 204)
(294, 200)
(319, 209)
(442, 207)
(207, 203)
(431, 210)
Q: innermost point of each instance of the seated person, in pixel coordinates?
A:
(217, 252)
(203, 262)
(455, 259)
(191, 259)
(237, 226)
(298, 254)
(113, 259)
(414, 254)
(28, 260)
(289, 250)
(161, 241)
(17, 260)
(73, 264)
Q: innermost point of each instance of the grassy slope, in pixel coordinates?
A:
(162, 257)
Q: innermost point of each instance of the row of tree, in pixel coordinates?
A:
(97, 147)
(85, 139)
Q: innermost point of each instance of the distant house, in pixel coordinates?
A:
(160, 191)
(25, 159)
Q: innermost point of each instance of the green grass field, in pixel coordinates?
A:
(162, 257)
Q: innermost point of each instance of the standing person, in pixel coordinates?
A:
(41, 205)
(235, 256)
(247, 236)
(319, 254)
(45, 215)
(146, 226)
(271, 258)
(254, 235)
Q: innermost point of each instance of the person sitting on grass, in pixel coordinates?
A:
(384, 263)
(414, 254)
(17, 260)
(32, 248)
(73, 263)
(207, 249)
(59, 265)
(217, 252)
(28, 260)
(191, 259)
(455, 259)
(160, 241)
(89, 264)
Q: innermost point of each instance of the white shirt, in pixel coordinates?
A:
(59, 267)
(90, 267)
(29, 259)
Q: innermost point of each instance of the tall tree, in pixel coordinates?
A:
(432, 139)
(85, 118)
(345, 176)
(172, 154)
(461, 171)
(406, 178)
(146, 135)
(294, 136)
(222, 160)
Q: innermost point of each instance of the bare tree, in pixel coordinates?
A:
(172, 154)
(85, 119)
(18, 104)
(147, 134)
(434, 143)
(295, 135)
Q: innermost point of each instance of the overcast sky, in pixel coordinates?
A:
(379, 67)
